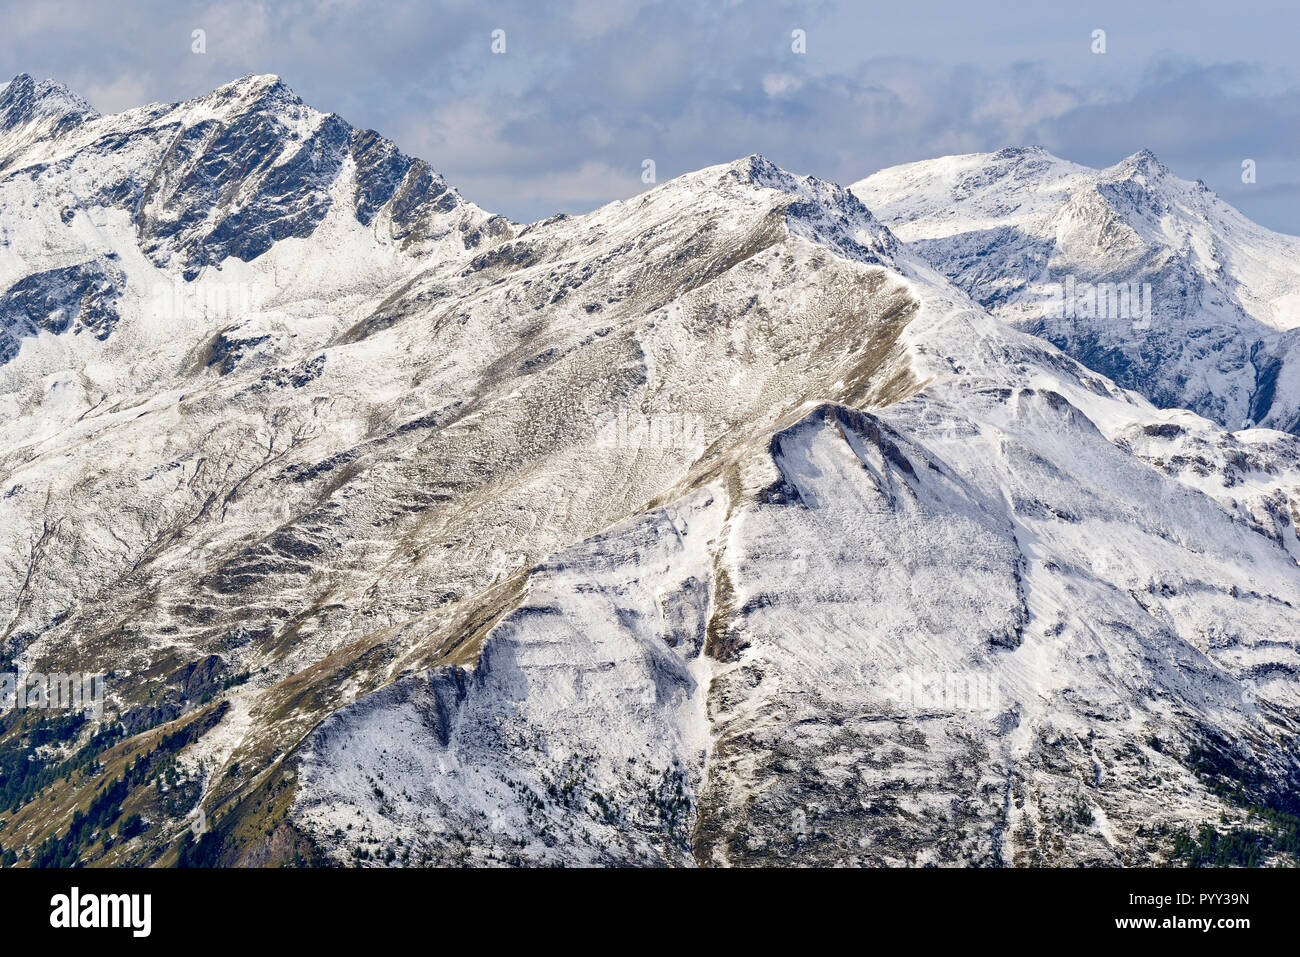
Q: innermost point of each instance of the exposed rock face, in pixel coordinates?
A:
(1150, 280)
(78, 298)
(717, 526)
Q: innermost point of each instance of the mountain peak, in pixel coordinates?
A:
(24, 99)
(1143, 161)
(1019, 152)
(754, 161)
(254, 89)
(253, 81)
(758, 169)
(380, 488)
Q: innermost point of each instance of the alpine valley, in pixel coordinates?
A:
(753, 520)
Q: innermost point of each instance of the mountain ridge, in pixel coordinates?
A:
(1224, 325)
(715, 526)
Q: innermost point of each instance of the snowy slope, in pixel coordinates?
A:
(929, 635)
(716, 526)
(1212, 323)
(244, 205)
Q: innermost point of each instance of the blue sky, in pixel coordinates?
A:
(588, 89)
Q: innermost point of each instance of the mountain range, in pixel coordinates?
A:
(946, 519)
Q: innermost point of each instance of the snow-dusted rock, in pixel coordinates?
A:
(1149, 279)
(716, 526)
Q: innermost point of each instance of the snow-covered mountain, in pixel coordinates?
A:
(716, 526)
(1149, 279)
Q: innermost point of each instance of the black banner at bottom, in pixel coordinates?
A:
(142, 908)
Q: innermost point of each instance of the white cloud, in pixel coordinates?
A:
(777, 85)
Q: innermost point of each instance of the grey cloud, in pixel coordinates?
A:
(589, 89)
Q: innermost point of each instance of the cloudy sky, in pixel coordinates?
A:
(587, 89)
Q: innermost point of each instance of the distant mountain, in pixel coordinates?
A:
(1171, 292)
(181, 187)
(717, 526)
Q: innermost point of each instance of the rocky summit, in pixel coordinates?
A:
(946, 519)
